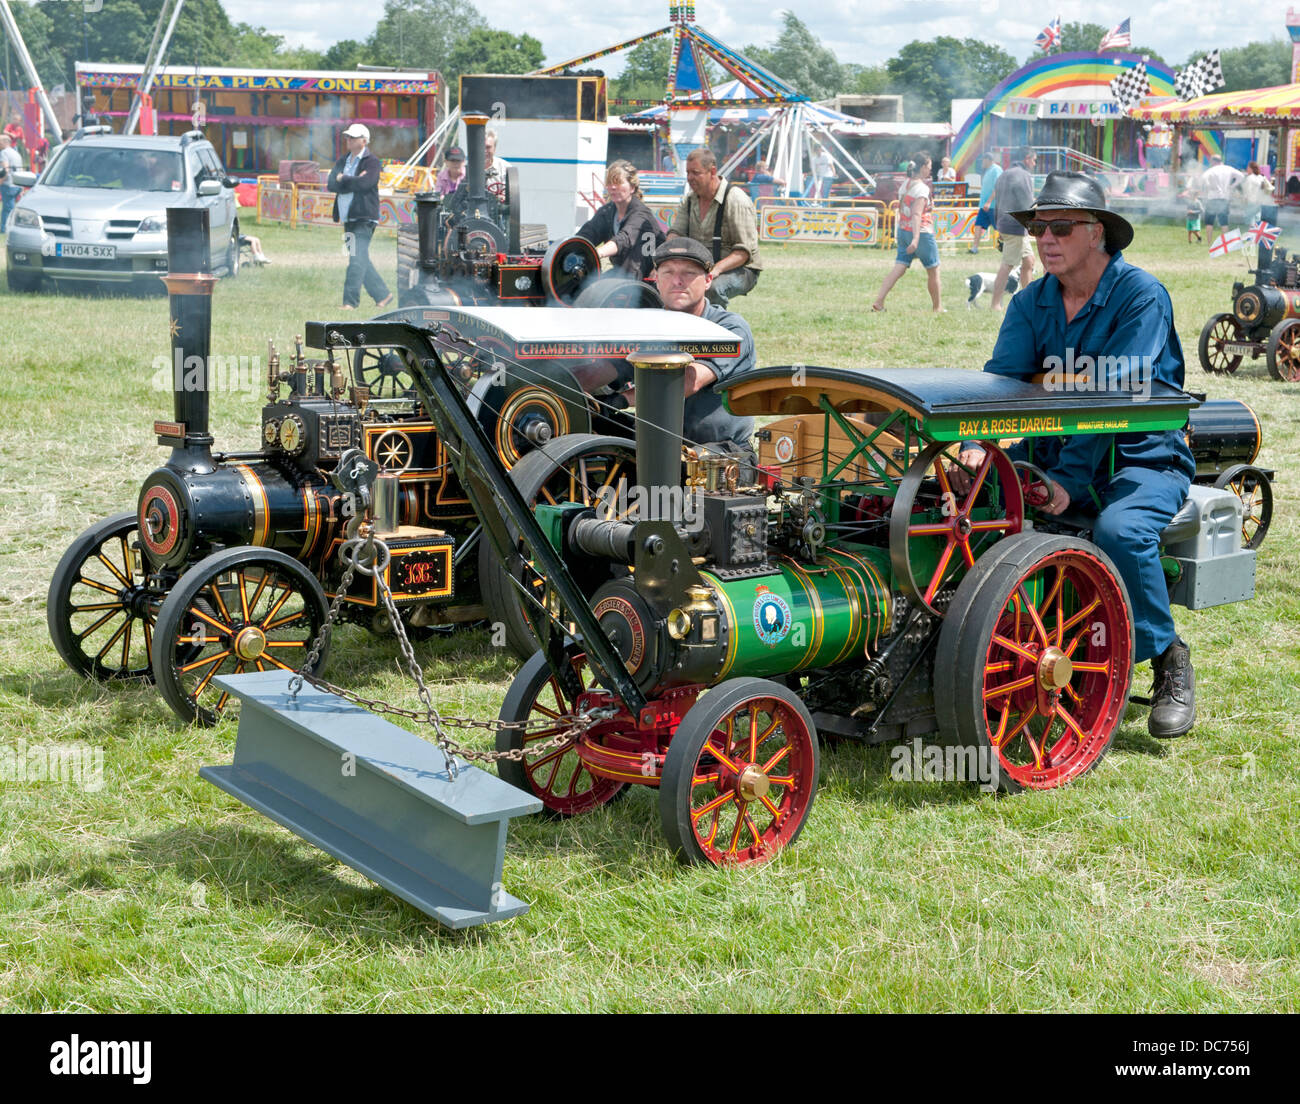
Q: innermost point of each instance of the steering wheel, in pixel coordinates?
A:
(1034, 484)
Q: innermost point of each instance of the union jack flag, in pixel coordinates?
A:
(1050, 36)
(1117, 38)
(1261, 233)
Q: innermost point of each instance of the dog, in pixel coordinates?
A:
(981, 283)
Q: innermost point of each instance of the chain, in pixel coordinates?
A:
(370, 555)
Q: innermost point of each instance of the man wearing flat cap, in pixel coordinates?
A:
(355, 182)
(684, 271)
(1093, 303)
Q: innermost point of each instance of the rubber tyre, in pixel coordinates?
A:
(530, 475)
(558, 777)
(70, 627)
(967, 646)
(232, 252)
(684, 790)
(22, 281)
(195, 601)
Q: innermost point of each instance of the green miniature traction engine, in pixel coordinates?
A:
(708, 617)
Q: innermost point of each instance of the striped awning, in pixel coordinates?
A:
(1280, 103)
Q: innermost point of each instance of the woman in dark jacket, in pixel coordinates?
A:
(624, 228)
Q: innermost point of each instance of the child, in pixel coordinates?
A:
(1195, 209)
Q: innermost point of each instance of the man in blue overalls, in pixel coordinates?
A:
(1094, 303)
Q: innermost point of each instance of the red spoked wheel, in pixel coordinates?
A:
(937, 533)
(557, 776)
(1220, 332)
(1040, 644)
(740, 774)
(1283, 353)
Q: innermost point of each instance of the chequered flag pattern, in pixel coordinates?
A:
(1131, 86)
(1200, 78)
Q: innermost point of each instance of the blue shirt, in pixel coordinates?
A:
(988, 182)
(1129, 317)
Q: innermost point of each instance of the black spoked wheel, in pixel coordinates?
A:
(244, 609)
(100, 616)
(596, 471)
(1255, 490)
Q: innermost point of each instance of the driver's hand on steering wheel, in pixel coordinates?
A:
(1058, 503)
(958, 476)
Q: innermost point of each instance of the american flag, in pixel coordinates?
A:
(1261, 233)
(1118, 38)
(1226, 243)
(1050, 36)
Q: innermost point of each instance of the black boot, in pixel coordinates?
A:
(1173, 697)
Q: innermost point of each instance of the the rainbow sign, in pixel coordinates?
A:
(1083, 71)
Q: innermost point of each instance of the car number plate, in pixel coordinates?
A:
(1239, 350)
(71, 249)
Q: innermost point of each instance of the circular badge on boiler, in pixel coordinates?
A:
(159, 520)
(771, 617)
(622, 624)
(784, 449)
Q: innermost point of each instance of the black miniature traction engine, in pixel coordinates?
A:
(1264, 321)
(470, 248)
(230, 559)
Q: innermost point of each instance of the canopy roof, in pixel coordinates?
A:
(1281, 103)
(761, 110)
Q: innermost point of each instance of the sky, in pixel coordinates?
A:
(868, 32)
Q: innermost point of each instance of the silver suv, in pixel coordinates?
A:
(99, 210)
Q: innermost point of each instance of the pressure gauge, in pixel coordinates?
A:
(291, 434)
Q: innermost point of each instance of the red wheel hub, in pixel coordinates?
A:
(1056, 671)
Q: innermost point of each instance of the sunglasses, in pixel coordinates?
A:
(1060, 228)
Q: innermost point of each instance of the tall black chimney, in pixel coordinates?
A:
(189, 287)
(660, 381)
(476, 156)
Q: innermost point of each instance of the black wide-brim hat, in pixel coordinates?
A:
(1080, 192)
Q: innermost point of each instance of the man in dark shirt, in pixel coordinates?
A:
(1093, 303)
(1014, 191)
(684, 269)
(355, 182)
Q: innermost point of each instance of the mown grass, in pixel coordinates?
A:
(1165, 880)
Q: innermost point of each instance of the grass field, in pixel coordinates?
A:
(1167, 879)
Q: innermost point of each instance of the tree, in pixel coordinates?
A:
(866, 80)
(347, 53)
(421, 34)
(485, 51)
(1255, 65)
(931, 74)
(799, 59)
(645, 76)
